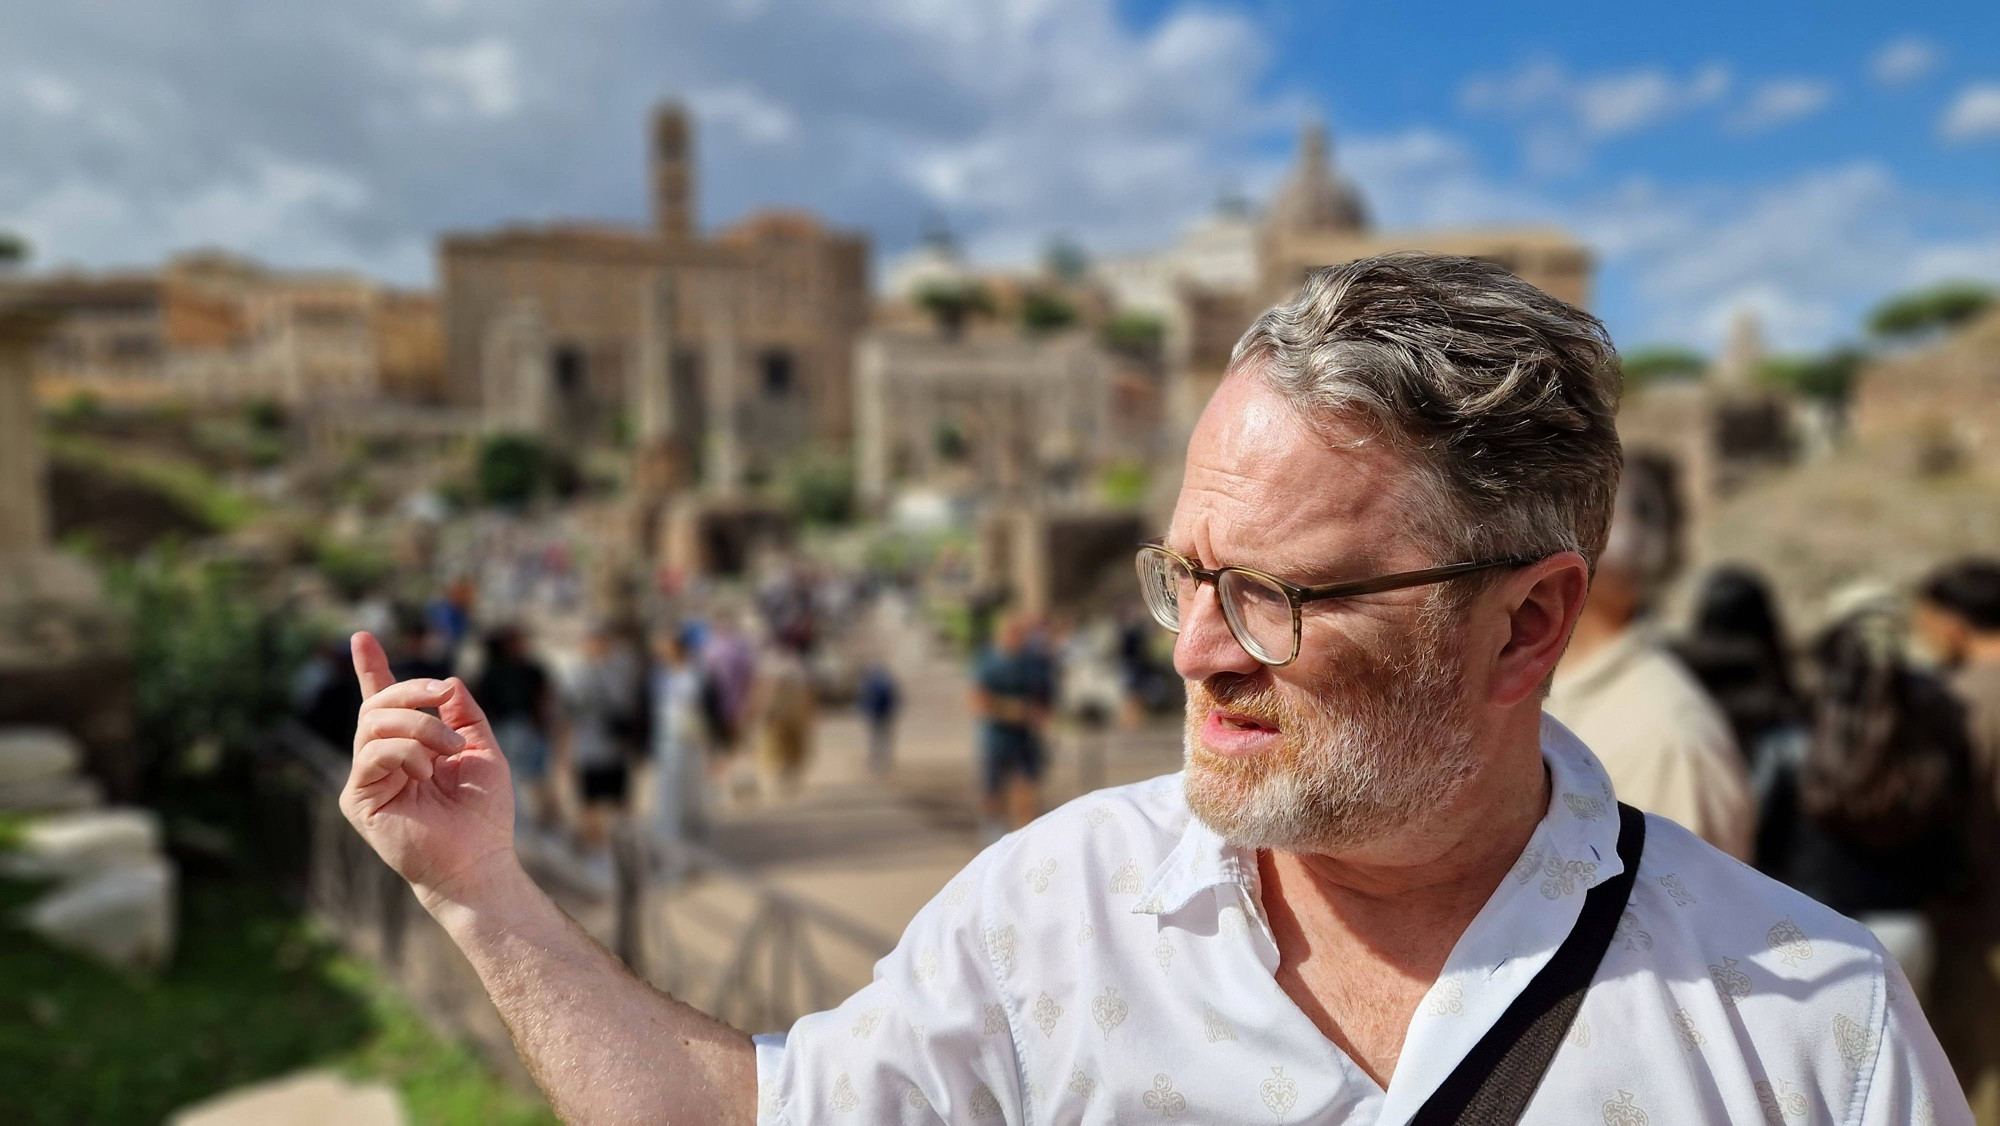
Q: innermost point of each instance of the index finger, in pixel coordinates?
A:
(371, 664)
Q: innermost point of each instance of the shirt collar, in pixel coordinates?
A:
(1573, 849)
(1202, 860)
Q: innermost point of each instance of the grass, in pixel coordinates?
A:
(187, 484)
(254, 993)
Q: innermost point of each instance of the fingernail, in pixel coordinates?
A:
(458, 740)
(438, 686)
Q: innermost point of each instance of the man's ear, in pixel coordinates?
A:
(1542, 602)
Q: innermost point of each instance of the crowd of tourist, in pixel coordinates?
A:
(1860, 764)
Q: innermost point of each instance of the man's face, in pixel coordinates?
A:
(1371, 724)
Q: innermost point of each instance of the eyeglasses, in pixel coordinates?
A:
(1263, 610)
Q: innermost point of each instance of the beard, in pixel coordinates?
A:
(1361, 753)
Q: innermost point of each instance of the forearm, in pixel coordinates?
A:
(603, 1045)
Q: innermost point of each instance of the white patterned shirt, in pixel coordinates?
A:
(1111, 963)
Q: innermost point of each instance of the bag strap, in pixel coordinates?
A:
(1495, 1081)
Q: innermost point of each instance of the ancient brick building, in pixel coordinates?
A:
(734, 350)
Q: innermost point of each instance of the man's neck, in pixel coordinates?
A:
(1363, 934)
(1448, 862)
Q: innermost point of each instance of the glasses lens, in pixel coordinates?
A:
(1164, 581)
(1260, 615)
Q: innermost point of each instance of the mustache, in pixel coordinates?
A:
(1244, 695)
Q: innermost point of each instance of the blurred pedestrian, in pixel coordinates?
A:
(1879, 795)
(601, 699)
(784, 708)
(416, 652)
(879, 701)
(513, 688)
(1665, 744)
(1010, 697)
(679, 759)
(1738, 651)
(328, 693)
(1958, 618)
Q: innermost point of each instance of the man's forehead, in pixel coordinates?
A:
(1260, 478)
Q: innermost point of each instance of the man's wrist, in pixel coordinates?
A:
(499, 897)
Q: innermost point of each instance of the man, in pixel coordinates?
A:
(601, 697)
(1376, 846)
(679, 761)
(1663, 741)
(1011, 697)
(520, 705)
(1958, 618)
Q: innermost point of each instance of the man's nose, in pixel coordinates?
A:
(1205, 646)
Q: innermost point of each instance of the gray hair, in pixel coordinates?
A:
(1503, 398)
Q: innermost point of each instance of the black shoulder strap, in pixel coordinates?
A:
(1495, 1080)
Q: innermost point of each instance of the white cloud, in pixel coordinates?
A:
(268, 206)
(1780, 102)
(476, 79)
(1811, 253)
(1605, 105)
(1017, 120)
(47, 94)
(1974, 114)
(1561, 115)
(742, 108)
(1903, 60)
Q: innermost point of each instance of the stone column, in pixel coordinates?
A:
(721, 470)
(651, 391)
(514, 368)
(871, 426)
(24, 517)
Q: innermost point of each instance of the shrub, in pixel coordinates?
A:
(512, 470)
(1042, 311)
(212, 659)
(1138, 335)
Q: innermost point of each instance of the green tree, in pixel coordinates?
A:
(1042, 311)
(1660, 363)
(1064, 260)
(1828, 376)
(1935, 309)
(512, 469)
(952, 303)
(13, 250)
(1135, 334)
(820, 489)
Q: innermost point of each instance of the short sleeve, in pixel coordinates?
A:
(1912, 1080)
(929, 1040)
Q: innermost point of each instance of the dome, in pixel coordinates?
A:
(1313, 200)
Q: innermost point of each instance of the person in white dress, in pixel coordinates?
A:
(1384, 888)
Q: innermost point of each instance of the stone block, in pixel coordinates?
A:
(75, 846)
(312, 1098)
(36, 754)
(123, 916)
(51, 795)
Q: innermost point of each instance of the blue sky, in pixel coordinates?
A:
(1800, 160)
(1719, 120)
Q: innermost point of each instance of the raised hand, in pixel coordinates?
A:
(431, 794)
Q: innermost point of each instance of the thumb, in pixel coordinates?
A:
(371, 665)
